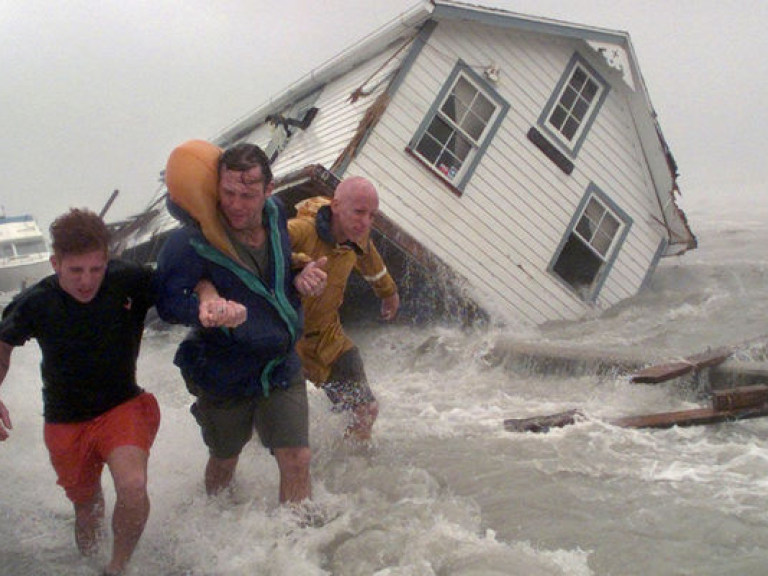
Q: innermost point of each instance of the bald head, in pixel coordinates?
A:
(353, 207)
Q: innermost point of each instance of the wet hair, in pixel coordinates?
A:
(78, 231)
(244, 156)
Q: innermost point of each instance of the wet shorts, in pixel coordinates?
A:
(227, 424)
(78, 450)
(347, 386)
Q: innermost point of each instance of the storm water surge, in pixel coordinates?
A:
(445, 490)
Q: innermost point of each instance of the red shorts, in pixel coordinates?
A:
(79, 450)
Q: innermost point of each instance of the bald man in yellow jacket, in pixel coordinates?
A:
(339, 229)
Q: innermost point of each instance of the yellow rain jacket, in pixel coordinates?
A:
(324, 339)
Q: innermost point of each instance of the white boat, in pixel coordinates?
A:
(24, 254)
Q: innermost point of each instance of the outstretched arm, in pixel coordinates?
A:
(5, 364)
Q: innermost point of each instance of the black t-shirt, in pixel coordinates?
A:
(89, 350)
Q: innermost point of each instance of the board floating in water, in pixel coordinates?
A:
(727, 406)
(670, 370)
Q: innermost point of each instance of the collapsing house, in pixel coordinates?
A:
(522, 174)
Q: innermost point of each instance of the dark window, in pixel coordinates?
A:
(590, 245)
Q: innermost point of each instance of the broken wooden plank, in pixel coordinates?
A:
(742, 397)
(542, 423)
(694, 417)
(668, 371)
(727, 405)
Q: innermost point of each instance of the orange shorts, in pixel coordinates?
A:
(79, 450)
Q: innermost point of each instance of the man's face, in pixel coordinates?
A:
(353, 215)
(81, 275)
(242, 196)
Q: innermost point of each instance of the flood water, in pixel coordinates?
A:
(445, 490)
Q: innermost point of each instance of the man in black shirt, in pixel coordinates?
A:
(88, 320)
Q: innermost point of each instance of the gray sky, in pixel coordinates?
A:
(94, 95)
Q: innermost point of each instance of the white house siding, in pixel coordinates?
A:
(337, 119)
(501, 234)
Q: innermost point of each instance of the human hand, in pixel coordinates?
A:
(312, 279)
(216, 312)
(389, 306)
(5, 422)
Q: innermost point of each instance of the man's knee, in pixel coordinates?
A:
(293, 460)
(131, 486)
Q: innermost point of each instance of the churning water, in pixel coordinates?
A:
(445, 490)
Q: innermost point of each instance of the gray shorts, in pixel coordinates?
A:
(227, 424)
(347, 386)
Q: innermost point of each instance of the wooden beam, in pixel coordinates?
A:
(727, 406)
(742, 397)
(695, 417)
(670, 370)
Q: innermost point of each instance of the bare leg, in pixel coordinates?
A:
(219, 473)
(363, 417)
(295, 483)
(128, 465)
(89, 517)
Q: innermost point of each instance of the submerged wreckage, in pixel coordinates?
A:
(522, 173)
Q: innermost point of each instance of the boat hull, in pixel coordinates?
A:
(18, 276)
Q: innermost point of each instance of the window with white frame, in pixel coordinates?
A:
(459, 126)
(573, 106)
(591, 244)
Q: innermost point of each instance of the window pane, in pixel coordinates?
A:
(568, 98)
(578, 79)
(429, 148)
(580, 109)
(449, 107)
(558, 117)
(460, 146)
(585, 228)
(483, 107)
(607, 227)
(464, 91)
(594, 210)
(570, 128)
(601, 243)
(440, 130)
(463, 94)
(473, 126)
(589, 91)
(448, 167)
(610, 225)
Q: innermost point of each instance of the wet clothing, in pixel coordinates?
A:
(79, 450)
(324, 340)
(347, 384)
(257, 356)
(89, 350)
(227, 424)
